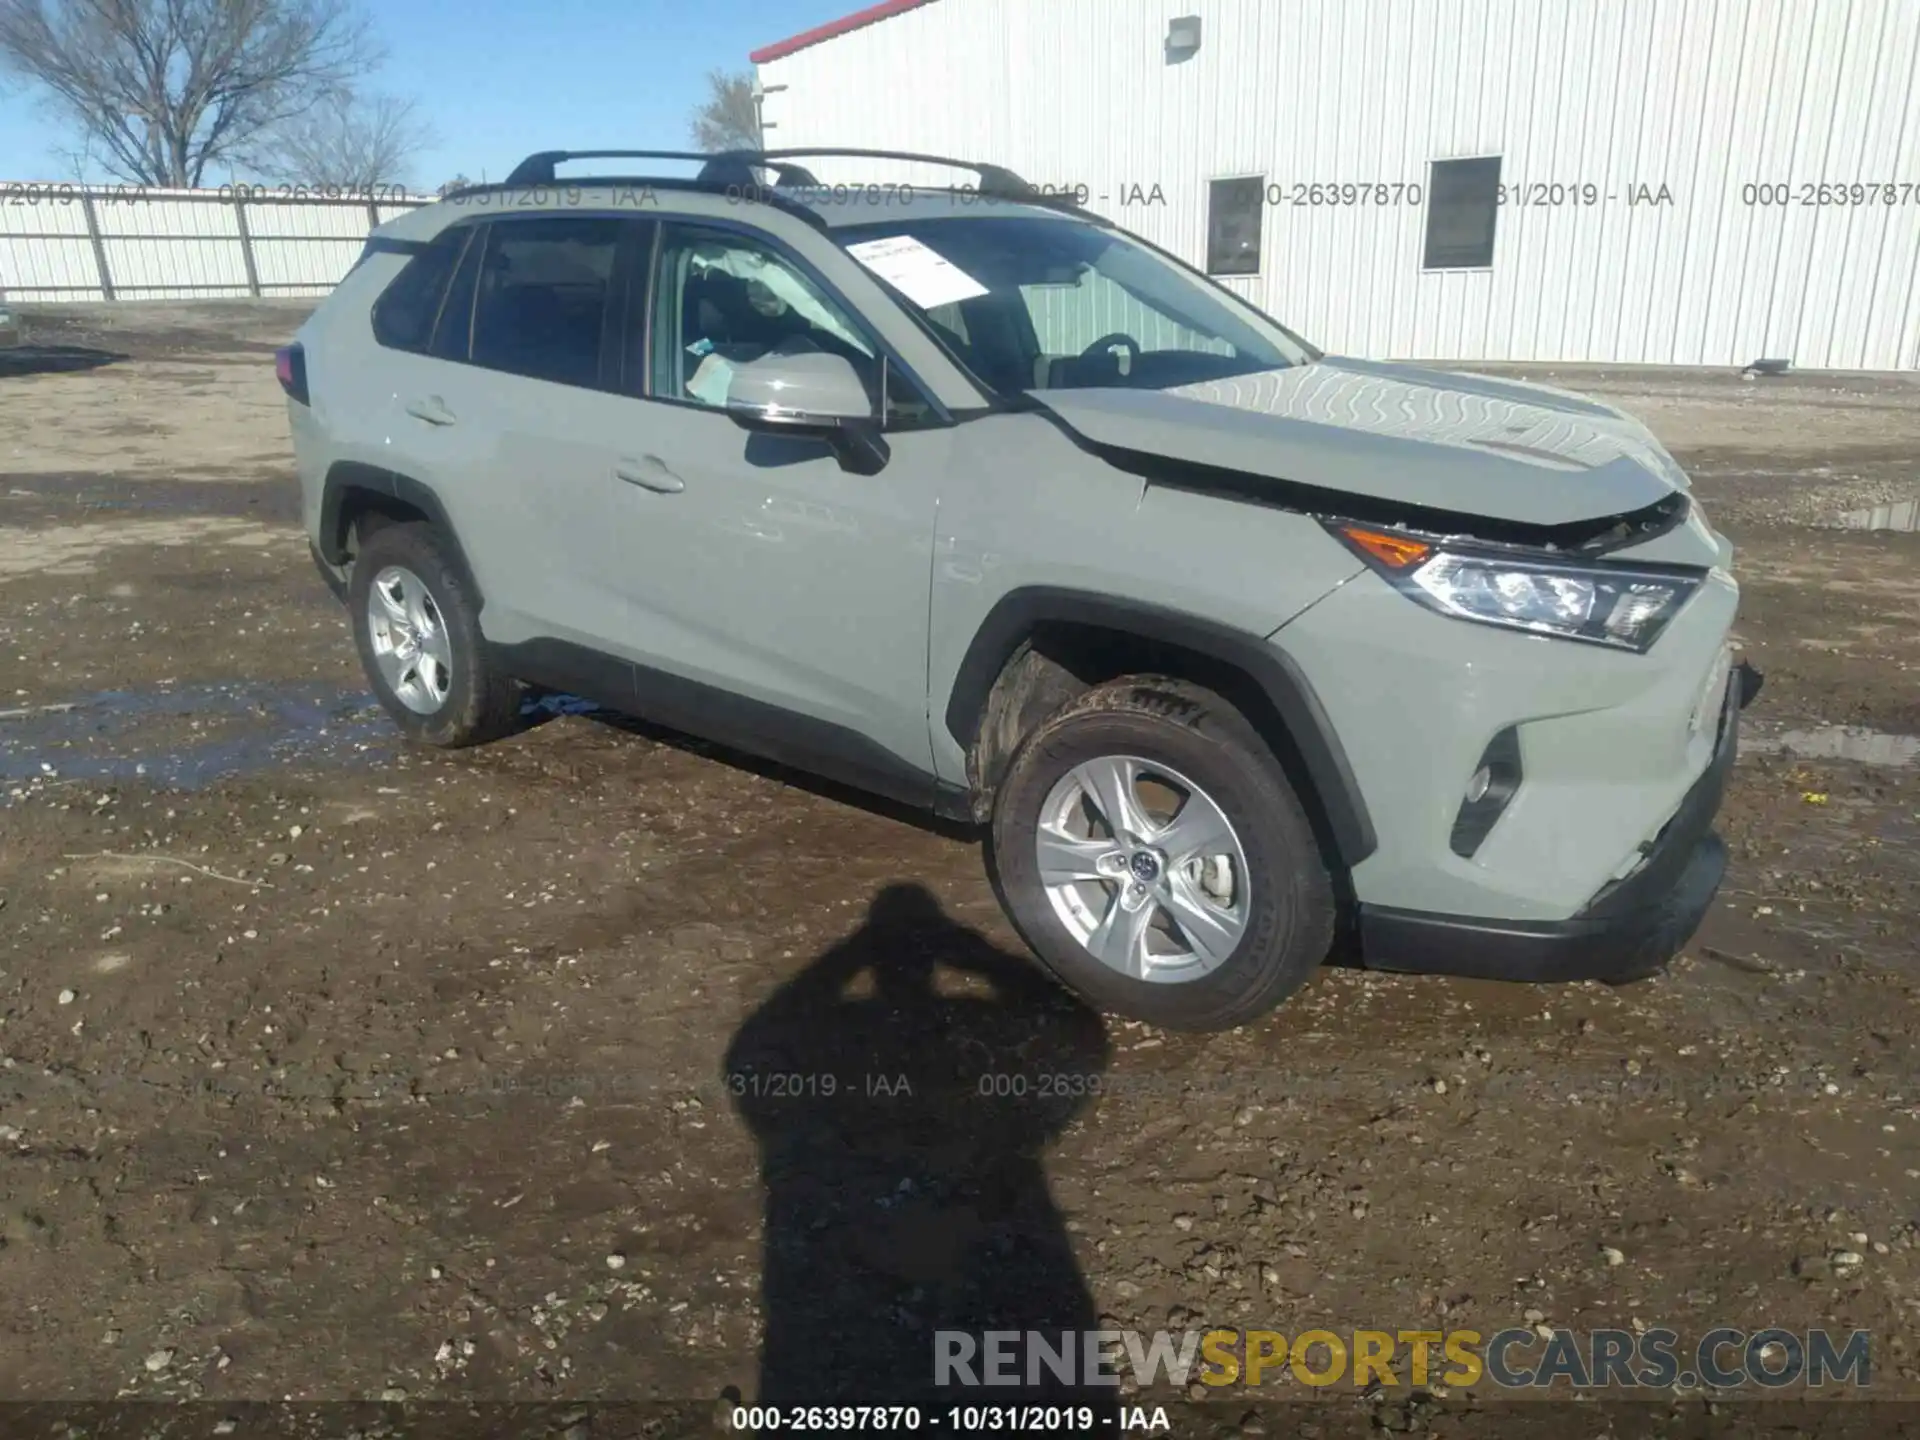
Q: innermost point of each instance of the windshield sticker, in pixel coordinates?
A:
(924, 276)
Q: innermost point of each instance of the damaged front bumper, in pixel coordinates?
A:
(1632, 928)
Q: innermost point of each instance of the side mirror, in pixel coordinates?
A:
(815, 394)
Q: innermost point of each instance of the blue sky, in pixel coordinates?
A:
(499, 78)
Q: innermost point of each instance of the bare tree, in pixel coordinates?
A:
(356, 142)
(729, 118)
(160, 89)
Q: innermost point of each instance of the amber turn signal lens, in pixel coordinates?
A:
(1396, 552)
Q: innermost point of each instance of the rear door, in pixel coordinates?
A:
(517, 406)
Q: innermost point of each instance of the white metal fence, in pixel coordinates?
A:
(65, 242)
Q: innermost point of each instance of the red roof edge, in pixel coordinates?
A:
(885, 10)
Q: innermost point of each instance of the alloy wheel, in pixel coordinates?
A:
(1143, 868)
(410, 642)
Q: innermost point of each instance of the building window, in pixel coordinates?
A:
(1463, 197)
(1233, 225)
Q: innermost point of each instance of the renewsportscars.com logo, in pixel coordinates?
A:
(1521, 1358)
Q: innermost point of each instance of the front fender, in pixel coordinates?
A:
(1317, 754)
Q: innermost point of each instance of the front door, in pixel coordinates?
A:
(784, 595)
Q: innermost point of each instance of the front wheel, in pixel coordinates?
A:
(1150, 849)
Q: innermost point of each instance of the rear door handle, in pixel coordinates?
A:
(649, 472)
(431, 409)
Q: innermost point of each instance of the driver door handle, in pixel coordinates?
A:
(649, 472)
(432, 409)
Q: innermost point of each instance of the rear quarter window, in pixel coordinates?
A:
(404, 315)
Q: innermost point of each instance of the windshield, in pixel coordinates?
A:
(1032, 303)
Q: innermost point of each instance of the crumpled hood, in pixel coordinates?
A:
(1469, 444)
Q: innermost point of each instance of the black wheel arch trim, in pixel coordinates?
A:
(1019, 612)
(348, 477)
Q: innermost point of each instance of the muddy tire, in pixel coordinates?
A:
(418, 633)
(1149, 848)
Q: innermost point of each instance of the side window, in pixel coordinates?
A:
(542, 293)
(722, 299)
(404, 315)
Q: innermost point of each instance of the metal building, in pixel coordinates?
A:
(1684, 182)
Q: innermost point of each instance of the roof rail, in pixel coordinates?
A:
(996, 181)
(742, 187)
(731, 173)
(736, 167)
(726, 167)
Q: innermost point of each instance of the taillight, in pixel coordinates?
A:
(290, 366)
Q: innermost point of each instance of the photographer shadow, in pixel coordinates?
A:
(901, 1127)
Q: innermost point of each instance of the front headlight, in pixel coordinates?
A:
(1620, 606)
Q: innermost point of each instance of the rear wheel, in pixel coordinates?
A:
(418, 633)
(1150, 849)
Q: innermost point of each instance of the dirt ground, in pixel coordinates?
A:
(333, 1071)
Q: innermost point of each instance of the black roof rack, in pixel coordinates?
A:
(733, 173)
(737, 167)
(996, 181)
(729, 174)
(727, 167)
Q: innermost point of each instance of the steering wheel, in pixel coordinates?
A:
(1108, 342)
